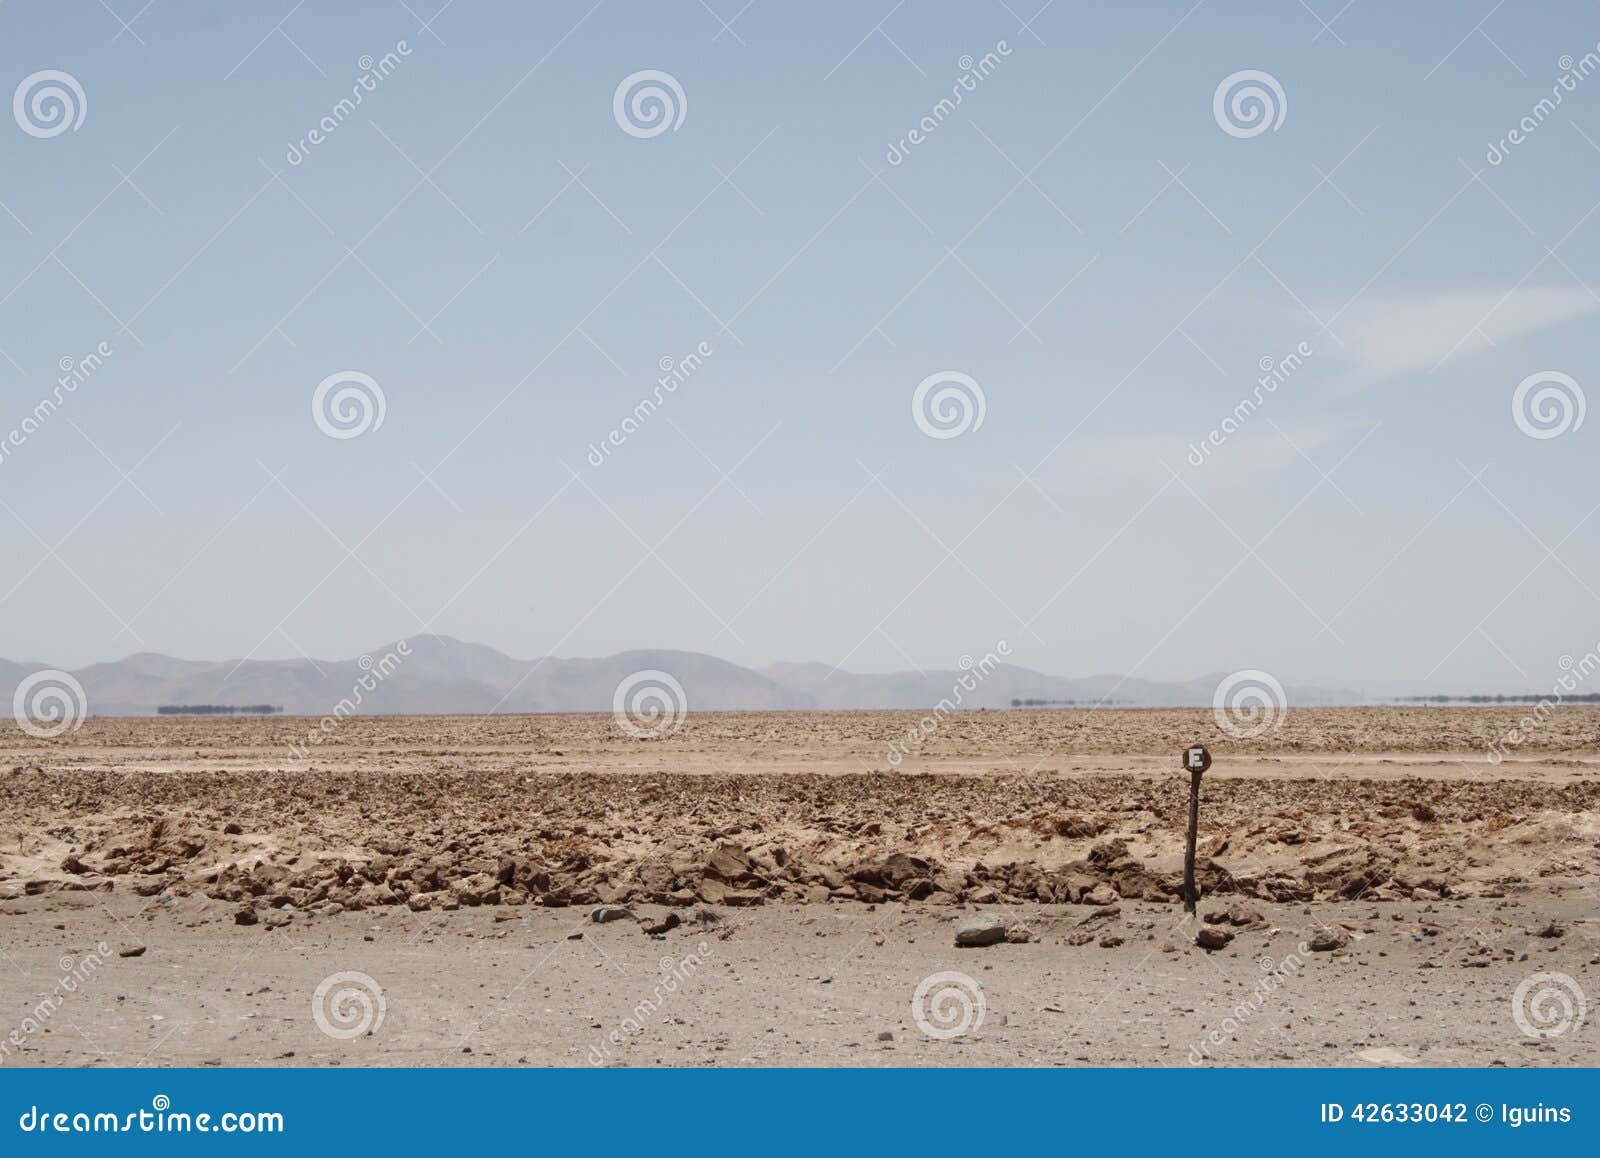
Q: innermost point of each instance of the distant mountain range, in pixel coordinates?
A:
(436, 674)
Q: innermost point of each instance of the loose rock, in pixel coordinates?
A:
(1328, 940)
(670, 921)
(976, 932)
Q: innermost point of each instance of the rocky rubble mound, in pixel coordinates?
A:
(282, 841)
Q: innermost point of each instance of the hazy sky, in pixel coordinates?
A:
(1100, 243)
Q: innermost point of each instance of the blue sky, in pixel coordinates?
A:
(1080, 236)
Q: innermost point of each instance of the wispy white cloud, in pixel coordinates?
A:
(1388, 337)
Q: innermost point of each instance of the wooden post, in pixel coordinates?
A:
(1196, 759)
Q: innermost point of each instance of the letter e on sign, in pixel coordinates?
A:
(1196, 758)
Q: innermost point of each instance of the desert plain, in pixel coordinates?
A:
(788, 888)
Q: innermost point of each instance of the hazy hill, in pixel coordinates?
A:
(447, 675)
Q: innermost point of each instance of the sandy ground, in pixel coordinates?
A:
(1417, 984)
(421, 891)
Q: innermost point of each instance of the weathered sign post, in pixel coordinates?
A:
(1196, 759)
